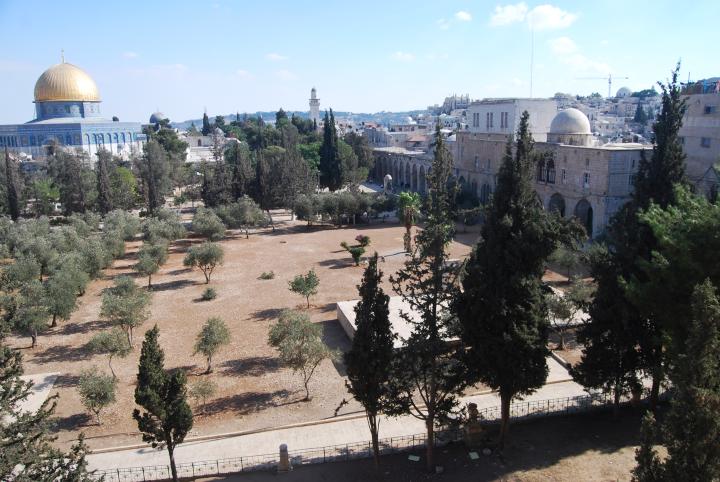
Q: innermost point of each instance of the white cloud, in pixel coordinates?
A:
(507, 14)
(604, 42)
(130, 55)
(463, 16)
(568, 53)
(436, 56)
(243, 74)
(518, 82)
(275, 57)
(563, 45)
(542, 17)
(549, 17)
(443, 24)
(403, 56)
(285, 75)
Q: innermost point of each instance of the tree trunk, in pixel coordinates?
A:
(504, 419)
(149, 282)
(33, 336)
(308, 302)
(97, 415)
(111, 368)
(272, 224)
(430, 443)
(655, 390)
(173, 469)
(209, 367)
(307, 389)
(616, 402)
(375, 440)
(561, 345)
(54, 321)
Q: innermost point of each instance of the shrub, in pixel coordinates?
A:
(208, 294)
(267, 275)
(363, 241)
(305, 285)
(201, 390)
(213, 335)
(356, 252)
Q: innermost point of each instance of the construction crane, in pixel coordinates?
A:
(609, 79)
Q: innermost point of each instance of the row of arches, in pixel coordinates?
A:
(583, 211)
(406, 175)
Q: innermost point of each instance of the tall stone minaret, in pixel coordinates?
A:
(314, 107)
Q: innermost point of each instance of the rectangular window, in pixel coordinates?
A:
(563, 176)
(586, 180)
(487, 120)
(705, 141)
(491, 120)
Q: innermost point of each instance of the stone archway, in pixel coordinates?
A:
(407, 177)
(557, 204)
(423, 180)
(485, 193)
(584, 213)
(414, 179)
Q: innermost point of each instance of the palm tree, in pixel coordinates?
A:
(408, 211)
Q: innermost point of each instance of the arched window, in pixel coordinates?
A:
(550, 171)
(541, 170)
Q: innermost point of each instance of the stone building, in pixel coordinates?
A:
(578, 178)
(67, 106)
(700, 132)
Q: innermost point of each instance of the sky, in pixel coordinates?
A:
(223, 56)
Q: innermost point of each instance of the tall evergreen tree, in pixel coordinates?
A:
(502, 307)
(104, 188)
(631, 243)
(13, 191)
(330, 163)
(153, 168)
(691, 429)
(167, 418)
(206, 127)
(427, 367)
(369, 359)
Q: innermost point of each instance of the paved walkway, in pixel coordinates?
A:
(334, 432)
(40, 391)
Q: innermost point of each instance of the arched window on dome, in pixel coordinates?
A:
(68, 139)
(122, 137)
(87, 139)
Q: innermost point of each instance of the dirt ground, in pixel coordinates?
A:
(587, 447)
(254, 391)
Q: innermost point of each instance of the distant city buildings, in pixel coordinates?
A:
(67, 106)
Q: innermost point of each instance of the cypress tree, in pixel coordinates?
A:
(13, 192)
(167, 418)
(502, 308)
(104, 188)
(206, 127)
(369, 359)
(427, 367)
(153, 167)
(330, 164)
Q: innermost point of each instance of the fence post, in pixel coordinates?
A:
(242, 467)
(143, 469)
(217, 466)
(347, 452)
(193, 468)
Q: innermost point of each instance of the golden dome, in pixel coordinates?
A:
(66, 82)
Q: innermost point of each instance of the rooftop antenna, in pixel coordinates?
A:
(532, 57)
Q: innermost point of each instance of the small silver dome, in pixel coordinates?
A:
(570, 121)
(623, 92)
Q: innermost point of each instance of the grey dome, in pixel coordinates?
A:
(156, 117)
(623, 92)
(570, 121)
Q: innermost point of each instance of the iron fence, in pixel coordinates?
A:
(343, 452)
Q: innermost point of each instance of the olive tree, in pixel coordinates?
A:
(125, 305)
(112, 343)
(213, 335)
(150, 258)
(305, 285)
(206, 256)
(208, 225)
(299, 342)
(97, 391)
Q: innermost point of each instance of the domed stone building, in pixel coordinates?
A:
(67, 113)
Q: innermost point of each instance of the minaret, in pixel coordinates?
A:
(314, 107)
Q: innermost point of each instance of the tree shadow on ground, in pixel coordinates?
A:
(79, 327)
(66, 380)
(338, 263)
(176, 272)
(253, 366)
(61, 353)
(249, 402)
(336, 339)
(328, 307)
(266, 314)
(173, 285)
(72, 422)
